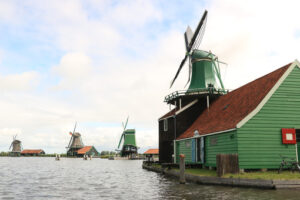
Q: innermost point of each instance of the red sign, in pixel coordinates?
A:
(288, 136)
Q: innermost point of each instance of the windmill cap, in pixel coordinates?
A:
(202, 54)
(77, 134)
(129, 131)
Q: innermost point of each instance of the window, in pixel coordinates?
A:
(213, 141)
(165, 124)
(187, 143)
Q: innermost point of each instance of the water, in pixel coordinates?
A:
(45, 178)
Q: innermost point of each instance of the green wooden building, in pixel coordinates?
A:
(250, 121)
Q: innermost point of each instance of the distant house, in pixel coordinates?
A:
(151, 154)
(32, 152)
(87, 150)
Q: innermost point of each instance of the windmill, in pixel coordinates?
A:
(204, 71)
(75, 143)
(16, 147)
(127, 139)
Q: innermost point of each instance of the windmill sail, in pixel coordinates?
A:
(190, 45)
(121, 140)
(188, 37)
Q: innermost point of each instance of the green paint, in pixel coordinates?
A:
(129, 137)
(259, 140)
(204, 72)
(184, 147)
(129, 144)
(219, 143)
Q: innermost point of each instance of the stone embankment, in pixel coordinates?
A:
(234, 182)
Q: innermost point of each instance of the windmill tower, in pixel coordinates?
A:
(205, 85)
(128, 147)
(75, 143)
(16, 147)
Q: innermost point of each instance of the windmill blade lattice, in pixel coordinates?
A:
(194, 42)
(121, 140)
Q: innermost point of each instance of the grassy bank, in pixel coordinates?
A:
(268, 175)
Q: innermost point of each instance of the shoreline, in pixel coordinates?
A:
(233, 182)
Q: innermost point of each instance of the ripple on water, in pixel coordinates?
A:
(45, 178)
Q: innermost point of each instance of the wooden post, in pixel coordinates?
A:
(182, 169)
(227, 163)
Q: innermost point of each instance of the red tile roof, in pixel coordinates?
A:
(228, 110)
(152, 151)
(84, 150)
(31, 151)
(168, 114)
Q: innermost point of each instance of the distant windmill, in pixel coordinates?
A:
(16, 147)
(127, 139)
(75, 143)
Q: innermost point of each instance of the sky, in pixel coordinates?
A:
(95, 62)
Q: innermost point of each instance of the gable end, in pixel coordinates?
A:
(269, 95)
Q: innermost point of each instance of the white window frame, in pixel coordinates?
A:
(165, 125)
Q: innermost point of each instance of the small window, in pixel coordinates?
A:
(165, 124)
(213, 141)
(187, 143)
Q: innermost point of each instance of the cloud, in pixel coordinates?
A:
(253, 40)
(74, 67)
(7, 11)
(131, 14)
(108, 60)
(19, 82)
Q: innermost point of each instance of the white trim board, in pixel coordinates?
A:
(269, 95)
(171, 116)
(181, 110)
(186, 107)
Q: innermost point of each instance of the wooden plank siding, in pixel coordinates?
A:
(259, 140)
(225, 143)
(220, 143)
(184, 147)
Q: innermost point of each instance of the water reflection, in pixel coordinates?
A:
(45, 178)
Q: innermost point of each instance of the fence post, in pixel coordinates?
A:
(182, 169)
(227, 163)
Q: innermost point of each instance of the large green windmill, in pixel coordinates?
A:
(128, 147)
(204, 71)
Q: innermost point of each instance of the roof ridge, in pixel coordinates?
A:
(228, 110)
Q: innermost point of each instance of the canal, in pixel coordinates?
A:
(45, 178)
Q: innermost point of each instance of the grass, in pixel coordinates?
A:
(285, 175)
(201, 172)
(198, 172)
(156, 165)
(268, 175)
